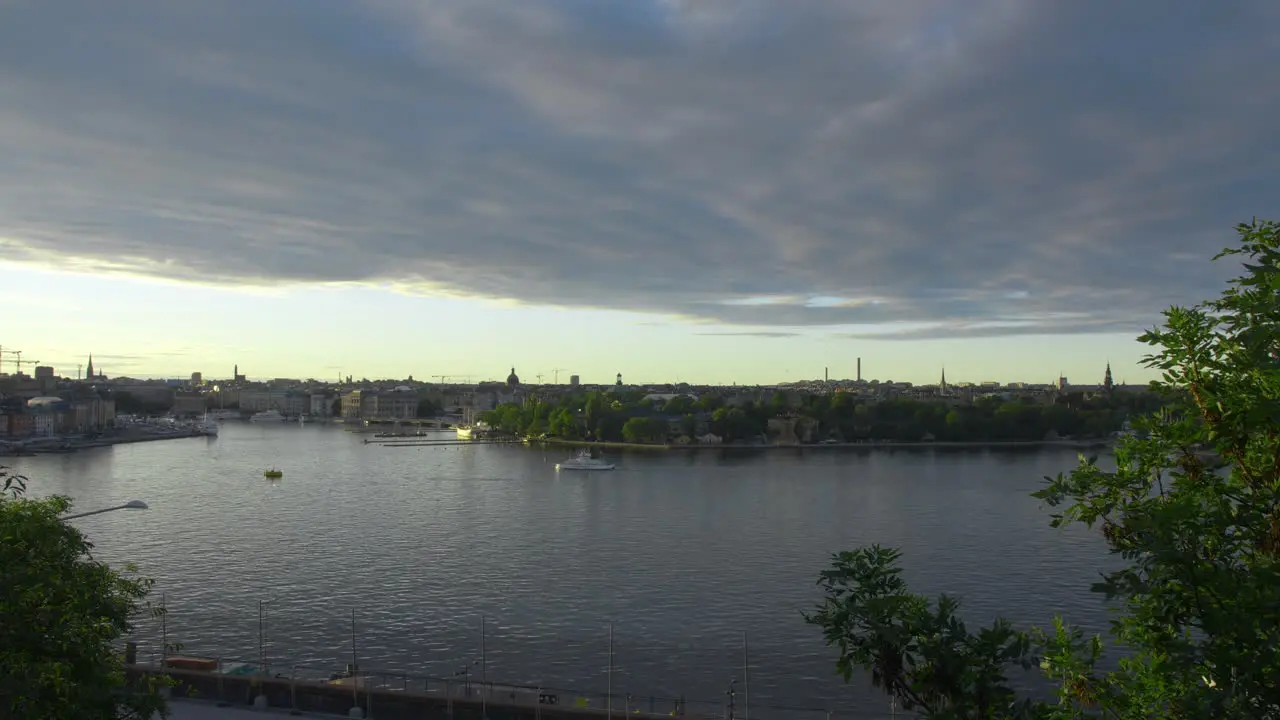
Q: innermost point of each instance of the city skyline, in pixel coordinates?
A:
(709, 191)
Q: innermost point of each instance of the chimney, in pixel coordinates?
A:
(826, 374)
(859, 369)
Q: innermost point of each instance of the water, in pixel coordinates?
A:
(682, 552)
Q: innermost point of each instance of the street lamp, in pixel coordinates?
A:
(131, 505)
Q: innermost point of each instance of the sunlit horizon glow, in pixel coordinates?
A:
(175, 328)
(715, 192)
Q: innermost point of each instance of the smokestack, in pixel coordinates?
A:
(826, 374)
(859, 369)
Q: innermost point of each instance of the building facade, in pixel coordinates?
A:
(375, 405)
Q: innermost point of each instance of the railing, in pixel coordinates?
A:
(393, 695)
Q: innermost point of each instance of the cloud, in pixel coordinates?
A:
(754, 334)
(860, 163)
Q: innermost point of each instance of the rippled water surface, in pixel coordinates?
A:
(682, 552)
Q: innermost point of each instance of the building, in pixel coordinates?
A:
(286, 402)
(322, 405)
(197, 379)
(376, 405)
(45, 379)
(397, 405)
(574, 381)
(91, 414)
(189, 404)
(44, 412)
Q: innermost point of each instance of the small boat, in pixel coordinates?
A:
(584, 461)
(273, 473)
(268, 416)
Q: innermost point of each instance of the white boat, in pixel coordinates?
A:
(268, 416)
(472, 432)
(584, 461)
(222, 414)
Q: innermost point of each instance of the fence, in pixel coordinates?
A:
(228, 675)
(393, 695)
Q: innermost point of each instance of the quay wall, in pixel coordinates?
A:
(442, 702)
(870, 445)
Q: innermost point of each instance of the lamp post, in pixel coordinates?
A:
(261, 700)
(131, 505)
(262, 615)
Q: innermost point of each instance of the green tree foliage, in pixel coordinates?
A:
(644, 430)
(60, 613)
(1198, 597)
(428, 408)
(842, 416)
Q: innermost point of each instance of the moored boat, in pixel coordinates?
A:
(584, 461)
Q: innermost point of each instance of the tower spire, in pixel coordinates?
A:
(1107, 383)
(943, 385)
(89, 371)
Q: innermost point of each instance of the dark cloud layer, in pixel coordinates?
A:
(1049, 167)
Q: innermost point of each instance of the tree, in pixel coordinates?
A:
(689, 425)
(563, 424)
(678, 405)
(1199, 591)
(428, 408)
(644, 430)
(62, 611)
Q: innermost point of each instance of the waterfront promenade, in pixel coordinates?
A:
(205, 694)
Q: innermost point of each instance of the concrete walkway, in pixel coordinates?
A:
(195, 710)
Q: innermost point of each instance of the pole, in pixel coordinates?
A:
(609, 692)
(746, 679)
(127, 506)
(484, 695)
(164, 632)
(355, 668)
(262, 654)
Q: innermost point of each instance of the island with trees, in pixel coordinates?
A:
(783, 417)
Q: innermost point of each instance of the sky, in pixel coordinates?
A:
(710, 191)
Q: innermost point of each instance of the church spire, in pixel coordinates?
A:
(89, 371)
(1107, 383)
(943, 385)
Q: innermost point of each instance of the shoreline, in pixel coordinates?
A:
(877, 445)
(50, 446)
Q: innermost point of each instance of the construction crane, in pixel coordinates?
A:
(539, 376)
(19, 362)
(556, 374)
(443, 378)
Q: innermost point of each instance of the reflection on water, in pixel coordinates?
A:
(681, 551)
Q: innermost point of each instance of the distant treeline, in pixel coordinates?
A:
(627, 417)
